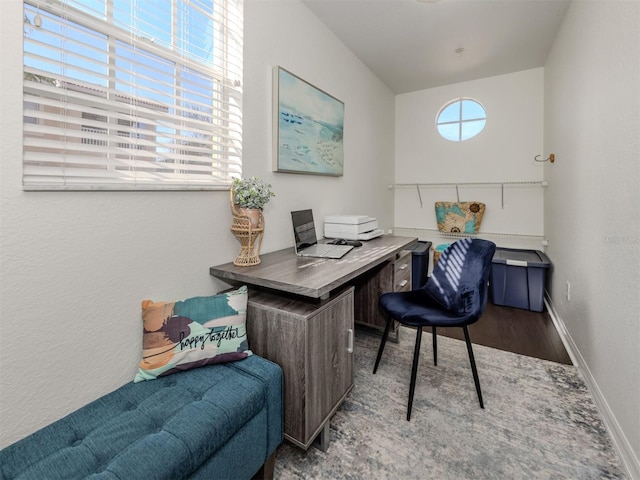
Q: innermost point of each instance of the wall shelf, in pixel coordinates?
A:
(541, 183)
(507, 240)
(417, 186)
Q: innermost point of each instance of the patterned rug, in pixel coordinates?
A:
(539, 420)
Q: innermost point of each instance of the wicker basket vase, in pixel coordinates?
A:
(248, 228)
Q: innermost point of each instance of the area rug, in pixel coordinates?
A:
(539, 420)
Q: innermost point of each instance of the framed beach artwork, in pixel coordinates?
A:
(308, 127)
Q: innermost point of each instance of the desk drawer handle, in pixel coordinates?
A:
(350, 346)
(403, 283)
(403, 266)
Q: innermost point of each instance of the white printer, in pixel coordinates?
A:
(351, 227)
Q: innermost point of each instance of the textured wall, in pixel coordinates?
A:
(287, 34)
(592, 109)
(75, 265)
(503, 151)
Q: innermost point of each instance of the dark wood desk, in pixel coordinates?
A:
(301, 317)
(315, 277)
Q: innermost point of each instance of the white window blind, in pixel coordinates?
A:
(132, 94)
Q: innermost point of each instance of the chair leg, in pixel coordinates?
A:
(473, 365)
(414, 371)
(435, 346)
(382, 343)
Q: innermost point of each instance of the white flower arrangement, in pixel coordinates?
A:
(251, 192)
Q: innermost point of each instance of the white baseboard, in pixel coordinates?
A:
(629, 459)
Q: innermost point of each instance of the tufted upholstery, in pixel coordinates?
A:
(220, 421)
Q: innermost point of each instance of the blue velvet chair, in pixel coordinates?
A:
(454, 296)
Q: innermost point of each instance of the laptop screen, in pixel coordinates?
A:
(304, 230)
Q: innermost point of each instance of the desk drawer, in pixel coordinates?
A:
(402, 272)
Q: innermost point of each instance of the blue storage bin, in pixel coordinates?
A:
(518, 278)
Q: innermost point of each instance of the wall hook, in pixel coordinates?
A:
(552, 158)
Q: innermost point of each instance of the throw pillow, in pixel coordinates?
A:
(191, 333)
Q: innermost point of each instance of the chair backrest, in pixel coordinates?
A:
(460, 279)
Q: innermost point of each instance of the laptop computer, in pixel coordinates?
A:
(306, 243)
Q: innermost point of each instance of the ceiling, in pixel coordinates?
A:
(411, 44)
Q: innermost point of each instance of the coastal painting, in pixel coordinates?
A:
(308, 127)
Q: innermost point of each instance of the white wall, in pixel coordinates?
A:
(76, 265)
(286, 33)
(592, 219)
(502, 152)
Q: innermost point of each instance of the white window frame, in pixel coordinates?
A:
(182, 123)
(460, 121)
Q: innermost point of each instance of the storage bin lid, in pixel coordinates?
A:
(521, 258)
(421, 248)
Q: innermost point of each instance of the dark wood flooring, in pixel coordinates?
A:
(515, 330)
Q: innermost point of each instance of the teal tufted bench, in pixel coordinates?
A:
(221, 421)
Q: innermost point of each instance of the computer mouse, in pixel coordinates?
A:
(339, 241)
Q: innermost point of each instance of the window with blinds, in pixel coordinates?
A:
(132, 94)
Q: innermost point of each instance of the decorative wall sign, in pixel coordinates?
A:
(308, 127)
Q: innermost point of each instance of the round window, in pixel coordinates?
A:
(461, 119)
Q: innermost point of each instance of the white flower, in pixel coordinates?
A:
(251, 192)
